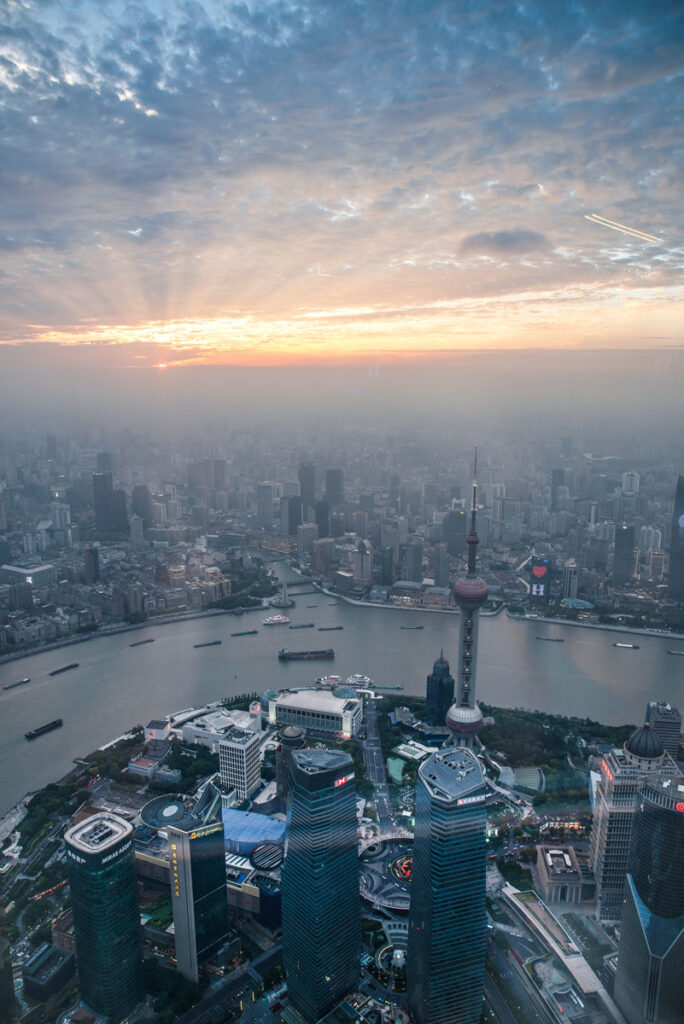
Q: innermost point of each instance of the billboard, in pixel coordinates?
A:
(539, 579)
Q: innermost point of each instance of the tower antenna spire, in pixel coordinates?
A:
(473, 539)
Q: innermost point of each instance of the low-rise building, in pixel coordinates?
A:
(318, 711)
(560, 876)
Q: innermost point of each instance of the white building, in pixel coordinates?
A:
(240, 762)
(209, 729)
(317, 711)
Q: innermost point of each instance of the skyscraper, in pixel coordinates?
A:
(454, 527)
(464, 718)
(334, 485)
(322, 514)
(240, 762)
(440, 691)
(141, 504)
(307, 482)
(440, 565)
(8, 1004)
(622, 772)
(557, 480)
(448, 920)
(91, 564)
(675, 586)
(291, 738)
(320, 882)
(649, 983)
(101, 872)
(666, 722)
(623, 563)
(265, 506)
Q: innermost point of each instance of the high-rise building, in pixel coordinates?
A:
(265, 506)
(557, 480)
(440, 691)
(334, 486)
(623, 562)
(8, 1003)
(103, 496)
(464, 717)
(91, 564)
(649, 982)
(540, 579)
(666, 722)
(363, 563)
(454, 530)
(220, 474)
(290, 516)
(240, 762)
(570, 579)
(630, 483)
(141, 504)
(675, 586)
(101, 871)
(622, 772)
(448, 919)
(440, 565)
(321, 904)
(306, 475)
(322, 514)
(199, 900)
(136, 530)
(414, 562)
(291, 738)
(307, 533)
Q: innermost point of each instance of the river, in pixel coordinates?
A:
(117, 686)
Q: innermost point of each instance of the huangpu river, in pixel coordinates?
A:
(117, 686)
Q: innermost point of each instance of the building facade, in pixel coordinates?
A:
(321, 904)
(447, 920)
(317, 711)
(649, 983)
(675, 584)
(666, 722)
(240, 762)
(101, 872)
(439, 691)
(291, 738)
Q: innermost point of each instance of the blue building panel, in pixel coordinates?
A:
(243, 830)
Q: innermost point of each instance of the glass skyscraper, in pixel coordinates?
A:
(649, 983)
(321, 905)
(440, 691)
(447, 920)
(101, 871)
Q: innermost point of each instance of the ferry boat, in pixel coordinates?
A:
(329, 681)
(140, 643)
(276, 620)
(246, 632)
(633, 647)
(680, 653)
(64, 668)
(285, 655)
(412, 627)
(329, 629)
(359, 680)
(551, 639)
(19, 682)
(208, 643)
(32, 734)
(302, 625)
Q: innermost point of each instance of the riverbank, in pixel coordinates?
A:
(606, 626)
(403, 608)
(124, 627)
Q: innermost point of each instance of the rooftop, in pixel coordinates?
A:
(454, 774)
(98, 833)
(316, 700)
(316, 760)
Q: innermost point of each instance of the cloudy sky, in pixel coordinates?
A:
(279, 180)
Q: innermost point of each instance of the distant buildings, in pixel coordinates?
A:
(321, 906)
(334, 486)
(675, 586)
(448, 919)
(650, 968)
(101, 872)
(439, 692)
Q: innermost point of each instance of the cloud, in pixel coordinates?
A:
(503, 243)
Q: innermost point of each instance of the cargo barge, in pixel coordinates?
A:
(141, 643)
(19, 682)
(285, 655)
(64, 668)
(208, 643)
(32, 734)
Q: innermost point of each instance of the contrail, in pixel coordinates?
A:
(595, 218)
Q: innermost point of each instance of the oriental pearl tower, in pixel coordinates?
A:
(464, 718)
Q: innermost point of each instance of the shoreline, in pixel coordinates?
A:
(642, 631)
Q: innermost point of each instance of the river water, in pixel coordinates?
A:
(116, 686)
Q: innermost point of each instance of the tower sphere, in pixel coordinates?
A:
(470, 591)
(464, 721)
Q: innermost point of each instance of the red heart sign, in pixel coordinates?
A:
(539, 571)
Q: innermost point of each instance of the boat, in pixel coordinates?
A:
(208, 643)
(64, 668)
(276, 620)
(359, 680)
(329, 681)
(412, 627)
(328, 629)
(285, 655)
(312, 606)
(551, 639)
(21, 682)
(246, 632)
(681, 654)
(302, 625)
(140, 643)
(398, 686)
(633, 647)
(32, 734)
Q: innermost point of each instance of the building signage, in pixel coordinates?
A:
(470, 800)
(117, 853)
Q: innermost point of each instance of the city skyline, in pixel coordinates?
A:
(314, 183)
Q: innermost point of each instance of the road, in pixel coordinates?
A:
(375, 768)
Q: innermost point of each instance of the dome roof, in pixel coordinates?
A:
(464, 721)
(470, 591)
(292, 734)
(645, 743)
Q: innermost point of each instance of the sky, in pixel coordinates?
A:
(270, 182)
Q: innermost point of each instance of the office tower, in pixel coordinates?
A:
(557, 480)
(136, 532)
(60, 516)
(320, 882)
(630, 483)
(440, 565)
(3, 517)
(265, 506)
(454, 529)
(464, 717)
(675, 586)
(414, 562)
(334, 486)
(656, 564)
(440, 691)
(387, 564)
(307, 533)
(622, 771)
(448, 920)
(91, 564)
(649, 982)
(306, 474)
(290, 516)
(103, 492)
(101, 871)
(141, 504)
(322, 514)
(240, 762)
(623, 563)
(363, 563)
(8, 1005)
(570, 579)
(291, 738)
(666, 722)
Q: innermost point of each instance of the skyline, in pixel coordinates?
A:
(313, 183)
